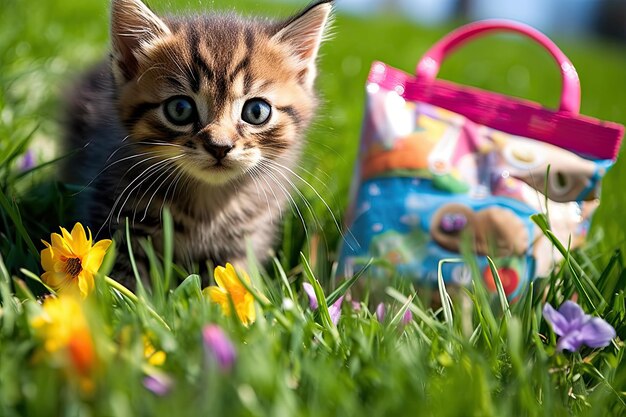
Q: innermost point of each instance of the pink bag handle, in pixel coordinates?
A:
(428, 66)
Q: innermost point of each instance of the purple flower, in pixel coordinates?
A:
(28, 160)
(334, 310)
(576, 328)
(408, 316)
(159, 384)
(380, 312)
(310, 292)
(218, 346)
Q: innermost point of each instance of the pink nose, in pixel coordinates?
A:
(218, 151)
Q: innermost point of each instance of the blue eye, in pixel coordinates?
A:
(256, 111)
(180, 110)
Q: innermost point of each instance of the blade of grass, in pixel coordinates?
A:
(504, 302)
(136, 300)
(18, 147)
(430, 322)
(35, 278)
(321, 300)
(283, 278)
(168, 248)
(395, 320)
(17, 221)
(446, 302)
(578, 273)
(346, 285)
(22, 291)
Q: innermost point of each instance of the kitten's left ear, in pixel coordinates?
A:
(303, 34)
(133, 28)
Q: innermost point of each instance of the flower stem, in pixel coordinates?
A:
(131, 296)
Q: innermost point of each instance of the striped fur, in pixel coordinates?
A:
(135, 161)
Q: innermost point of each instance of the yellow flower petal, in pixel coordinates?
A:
(221, 277)
(60, 245)
(56, 280)
(93, 259)
(157, 358)
(231, 289)
(65, 234)
(59, 266)
(246, 311)
(85, 283)
(237, 275)
(80, 245)
(47, 261)
(219, 296)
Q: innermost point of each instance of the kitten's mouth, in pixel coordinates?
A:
(215, 171)
(220, 166)
(218, 172)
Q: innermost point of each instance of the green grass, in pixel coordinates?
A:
(294, 362)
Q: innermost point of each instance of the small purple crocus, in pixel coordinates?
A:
(159, 384)
(380, 312)
(334, 310)
(310, 292)
(218, 346)
(576, 328)
(408, 317)
(28, 161)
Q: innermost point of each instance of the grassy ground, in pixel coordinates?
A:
(292, 361)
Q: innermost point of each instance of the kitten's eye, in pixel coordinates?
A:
(256, 111)
(180, 110)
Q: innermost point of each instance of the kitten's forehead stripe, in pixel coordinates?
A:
(241, 66)
(248, 80)
(221, 90)
(199, 65)
(249, 39)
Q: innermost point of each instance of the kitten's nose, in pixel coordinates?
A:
(218, 151)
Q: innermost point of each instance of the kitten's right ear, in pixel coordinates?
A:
(303, 34)
(133, 28)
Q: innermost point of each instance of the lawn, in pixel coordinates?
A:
(154, 353)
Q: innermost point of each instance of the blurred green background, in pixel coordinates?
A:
(45, 44)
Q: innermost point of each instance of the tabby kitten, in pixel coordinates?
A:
(202, 114)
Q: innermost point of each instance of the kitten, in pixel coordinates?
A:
(204, 115)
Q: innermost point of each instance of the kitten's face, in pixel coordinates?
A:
(219, 95)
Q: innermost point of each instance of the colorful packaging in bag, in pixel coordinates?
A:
(442, 164)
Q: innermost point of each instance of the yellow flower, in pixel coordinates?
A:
(154, 357)
(229, 287)
(70, 261)
(63, 328)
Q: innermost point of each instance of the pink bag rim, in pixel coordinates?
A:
(580, 134)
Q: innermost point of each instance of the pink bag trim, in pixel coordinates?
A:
(581, 134)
